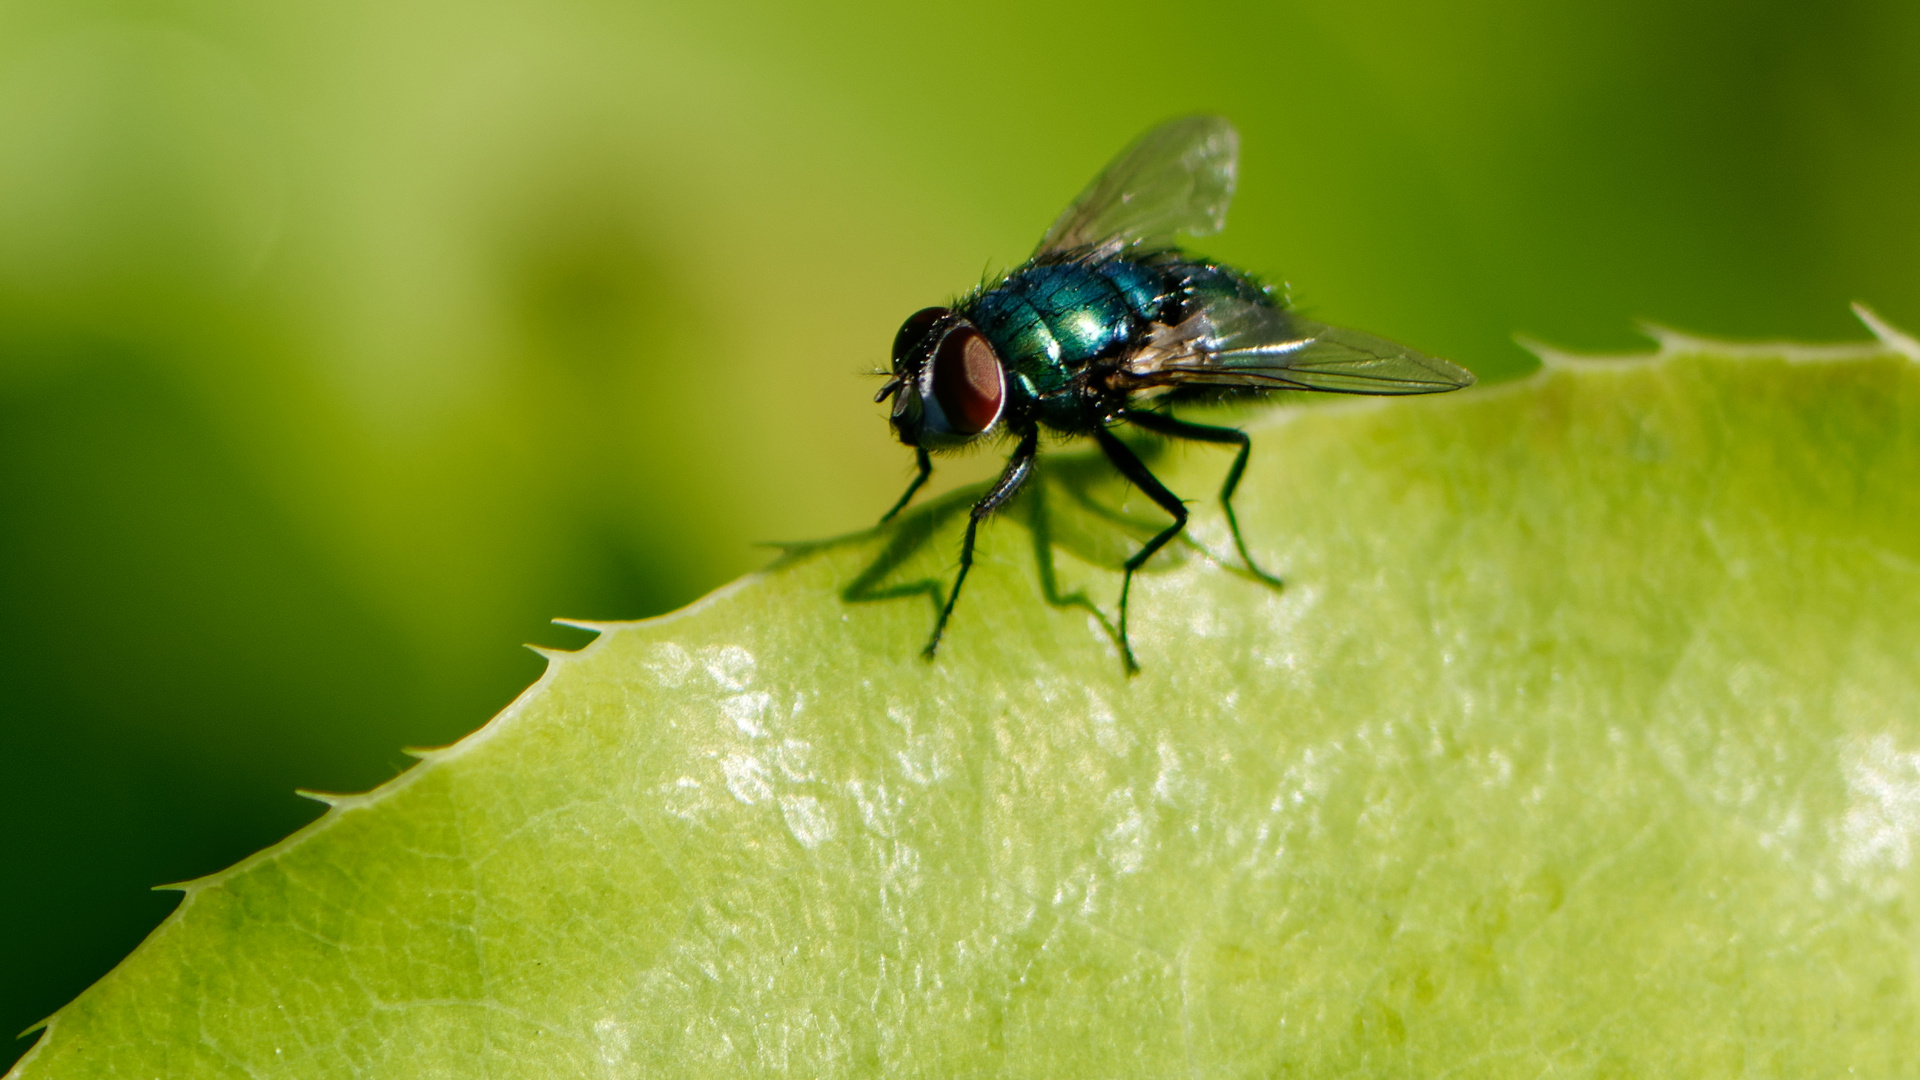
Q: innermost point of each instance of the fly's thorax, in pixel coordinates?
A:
(1048, 321)
(1056, 316)
(1145, 287)
(948, 386)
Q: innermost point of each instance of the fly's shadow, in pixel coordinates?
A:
(1032, 509)
(1069, 505)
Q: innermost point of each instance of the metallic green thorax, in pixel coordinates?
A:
(1058, 323)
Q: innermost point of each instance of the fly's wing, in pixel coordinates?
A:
(1177, 178)
(1236, 342)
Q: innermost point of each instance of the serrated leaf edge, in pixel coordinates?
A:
(1670, 344)
(339, 805)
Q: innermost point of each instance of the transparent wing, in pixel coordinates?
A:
(1239, 343)
(1177, 178)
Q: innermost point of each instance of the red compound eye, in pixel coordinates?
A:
(968, 381)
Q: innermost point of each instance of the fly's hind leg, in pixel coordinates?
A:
(1130, 467)
(1019, 468)
(1162, 424)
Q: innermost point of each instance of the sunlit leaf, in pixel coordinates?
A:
(1583, 740)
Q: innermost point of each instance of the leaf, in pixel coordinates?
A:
(1583, 740)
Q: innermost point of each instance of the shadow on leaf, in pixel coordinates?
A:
(1083, 524)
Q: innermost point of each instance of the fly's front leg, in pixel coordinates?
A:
(1019, 468)
(1181, 429)
(1130, 467)
(926, 470)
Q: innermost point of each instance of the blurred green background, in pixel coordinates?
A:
(344, 344)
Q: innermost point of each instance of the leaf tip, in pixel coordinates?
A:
(1550, 357)
(1554, 358)
(20, 1066)
(1891, 336)
(1670, 342)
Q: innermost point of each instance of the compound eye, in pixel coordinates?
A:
(968, 381)
(915, 330)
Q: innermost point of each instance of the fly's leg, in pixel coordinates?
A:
(1019, 468)
(1130, 467)
(1180, 429)
(926, 470)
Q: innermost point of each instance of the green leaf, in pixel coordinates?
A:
(1583, 740)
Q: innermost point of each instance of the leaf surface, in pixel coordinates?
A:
(1584, 739)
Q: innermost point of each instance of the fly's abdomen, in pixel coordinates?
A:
(1198, 285)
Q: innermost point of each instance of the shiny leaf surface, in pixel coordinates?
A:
(1583, 740)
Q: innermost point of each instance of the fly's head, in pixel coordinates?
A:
(948, 387)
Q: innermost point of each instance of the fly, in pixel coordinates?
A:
(1110, 323)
